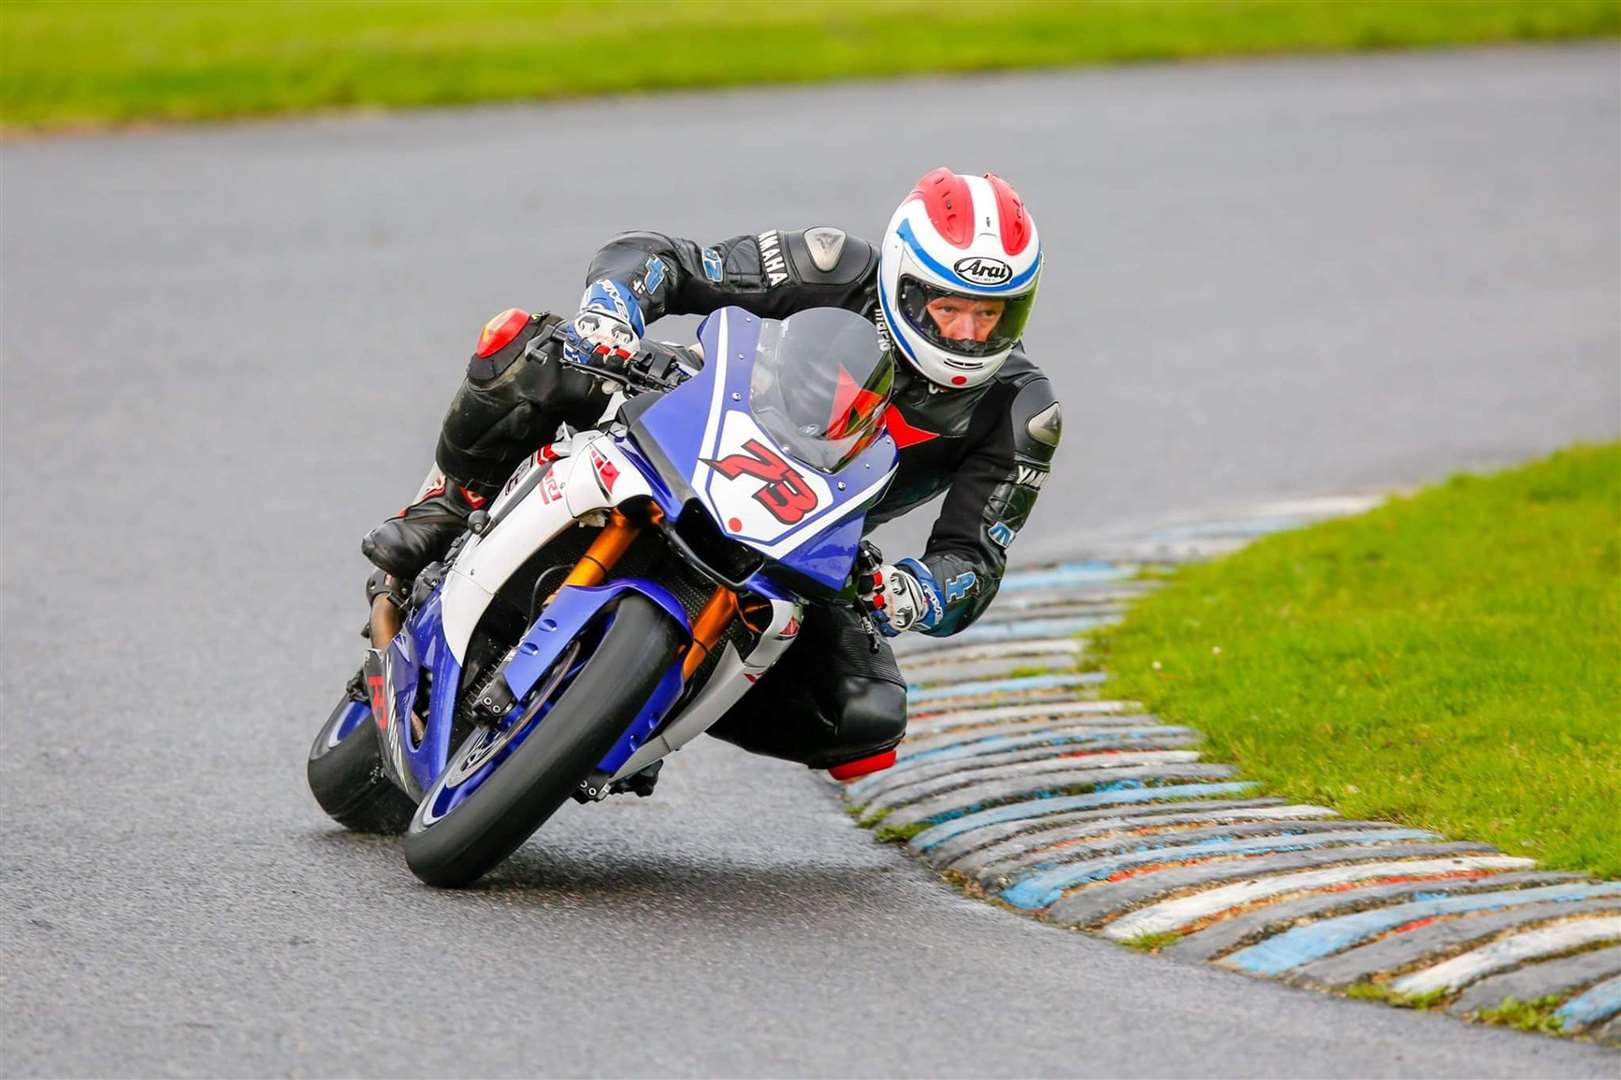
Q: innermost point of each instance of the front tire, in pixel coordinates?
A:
(525, 789)
(346, 774)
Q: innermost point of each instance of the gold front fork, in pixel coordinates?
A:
(717, 614)
(606, 550)
(610, 546)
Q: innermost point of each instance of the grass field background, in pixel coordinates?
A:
(72, 63)
(1450, 660)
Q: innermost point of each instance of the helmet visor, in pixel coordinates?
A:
(965, 325)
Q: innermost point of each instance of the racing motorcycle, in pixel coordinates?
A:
(626, 587)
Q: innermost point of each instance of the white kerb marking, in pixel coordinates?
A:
(1173, 914)
(1509, 951)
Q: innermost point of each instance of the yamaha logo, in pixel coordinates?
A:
(982, 271)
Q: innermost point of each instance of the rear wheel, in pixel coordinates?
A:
(503, 783)
(346, 774)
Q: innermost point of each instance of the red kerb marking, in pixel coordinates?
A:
(500, 331)
(950, 205)
(1152, 868)
(1403, 879)
(1016, 227)
(1414, 925)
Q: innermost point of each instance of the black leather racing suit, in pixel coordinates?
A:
(988, 448)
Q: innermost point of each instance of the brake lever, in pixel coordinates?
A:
(634, 375)
(630, 377)
(869, 564)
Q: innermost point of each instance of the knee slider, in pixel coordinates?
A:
(503, 341)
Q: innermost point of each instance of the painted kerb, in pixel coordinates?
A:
(1020, 786)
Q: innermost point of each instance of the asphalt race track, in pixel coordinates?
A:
(225, 355)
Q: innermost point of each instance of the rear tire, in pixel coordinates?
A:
(507, 807)
(346, 775)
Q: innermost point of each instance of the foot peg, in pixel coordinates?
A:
(597, 787)
(640, 784)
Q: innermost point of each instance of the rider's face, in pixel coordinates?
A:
(962, 319)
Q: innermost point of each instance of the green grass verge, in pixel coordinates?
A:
(115, 61)
(1152, 942)
(893, 834)
(1450, 660)
(1368, 991)
(1535, 1015)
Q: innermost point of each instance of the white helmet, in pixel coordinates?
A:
(957, 276)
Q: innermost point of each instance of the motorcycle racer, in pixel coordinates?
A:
(950, 288)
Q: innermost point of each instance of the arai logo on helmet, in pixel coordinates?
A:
(982, 271)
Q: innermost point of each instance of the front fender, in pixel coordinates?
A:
(568, 615)
(571, 611)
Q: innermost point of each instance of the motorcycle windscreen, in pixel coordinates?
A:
(820, 385)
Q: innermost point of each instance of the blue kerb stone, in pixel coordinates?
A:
(1304, 944)
(990, 744)
(1075, 573)
(1047, 888)
(1036, 808)
(1055, 739)
(1048, 864)
(993, 686)
(1032, 629)
(1597, 1003)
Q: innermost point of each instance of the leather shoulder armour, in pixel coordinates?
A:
(1037, 421)
(824, 255)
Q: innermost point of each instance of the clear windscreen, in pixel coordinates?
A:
(821, 384)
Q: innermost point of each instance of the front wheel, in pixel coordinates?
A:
(346, 774)
(503, 783)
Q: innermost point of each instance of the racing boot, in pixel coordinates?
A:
(424, 530)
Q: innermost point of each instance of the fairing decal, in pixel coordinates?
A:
(486, 562)
(757, 494)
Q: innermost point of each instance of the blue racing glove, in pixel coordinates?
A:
(607, 332)
(900, 597)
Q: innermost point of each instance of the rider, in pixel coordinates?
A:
(950, 289)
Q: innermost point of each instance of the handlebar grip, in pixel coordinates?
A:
(635, 374)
